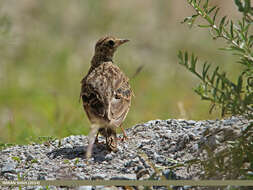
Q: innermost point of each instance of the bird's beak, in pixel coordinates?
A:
(121, 41)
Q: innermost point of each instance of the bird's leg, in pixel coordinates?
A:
(124, 138)
(91, 139)
(96, 139)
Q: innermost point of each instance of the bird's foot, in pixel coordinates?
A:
(123, 139)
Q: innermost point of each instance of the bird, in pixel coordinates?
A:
(106, 94)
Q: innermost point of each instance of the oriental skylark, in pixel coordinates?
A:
(106, 93)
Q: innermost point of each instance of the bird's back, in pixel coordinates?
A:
(106, 94)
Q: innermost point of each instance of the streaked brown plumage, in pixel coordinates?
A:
(105, 91)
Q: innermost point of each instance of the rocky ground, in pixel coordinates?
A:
(151, 152)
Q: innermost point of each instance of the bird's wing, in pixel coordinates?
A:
(120, 101)
(107, 92)
(94, 91)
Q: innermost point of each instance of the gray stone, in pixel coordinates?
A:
(195, 148)
(41, 177)
(10, 176)
(109, 157)
(99, 176)
(191, 122)
(169, 174)
(68, 145)
(29, 157)
(81, 165)
(124, 177)
(228, 122)
(9, 168)
(106, 188)
(84, 188)
(130, 163)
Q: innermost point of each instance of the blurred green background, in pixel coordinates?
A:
(48, 50)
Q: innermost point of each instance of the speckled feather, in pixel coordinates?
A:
(106, 95)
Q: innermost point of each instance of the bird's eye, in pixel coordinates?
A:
(111, 42)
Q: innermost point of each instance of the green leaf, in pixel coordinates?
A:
(232, 29)
(215, 14)
(206, 4)
(223, 76)
(246, 28)
(190, 20)
(235, 48)
(214, 74)
(193, 63)
(205, 70)
(186, 58)
(239, 83)
(222, 23)
(239, 5)
(211, 22)
(180, 56)
(204, 26)
(186, 19)
(212, 9)
(247, 6)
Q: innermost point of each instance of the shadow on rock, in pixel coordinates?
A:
(98, 153)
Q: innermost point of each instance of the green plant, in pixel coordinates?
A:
(5, 145)
(34, 161)
(216, 87)
(15, 158)
(234, 97)
(76, 161)
(41, 139)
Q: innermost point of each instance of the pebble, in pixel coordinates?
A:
(99, 176)
(10, 176)
(8, 168)
(68, 146)
(124, 177)
(170, 175)
(29, 157)
(191, 122)
(109, 157)
(85, 188)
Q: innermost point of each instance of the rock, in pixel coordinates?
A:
(41, 177)
(8, 168)
(169, 174)
(81, 165)
(82, 176)
(84, 188)
(191, 122)
(105, 188)
(29, 157)
(98, 176)
(10, 176)
(195, 148)
(108, 157)
(124, 177)
(68, 145)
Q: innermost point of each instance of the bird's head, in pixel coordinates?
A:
(106, 46)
